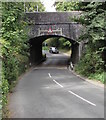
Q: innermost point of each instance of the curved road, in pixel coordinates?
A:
(52, 91)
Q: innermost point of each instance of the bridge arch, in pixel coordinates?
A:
(36, 48)
(43, 25)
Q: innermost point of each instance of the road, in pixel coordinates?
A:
(52, 91)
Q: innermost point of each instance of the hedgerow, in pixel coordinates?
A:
(14, 47)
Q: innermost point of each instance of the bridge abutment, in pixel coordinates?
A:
(77, 49)
(35, 52)
(75, 53)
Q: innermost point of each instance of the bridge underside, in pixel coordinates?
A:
(36, 49)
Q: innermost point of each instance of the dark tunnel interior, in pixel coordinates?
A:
(36, 48)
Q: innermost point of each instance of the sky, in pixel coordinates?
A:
(49, 5)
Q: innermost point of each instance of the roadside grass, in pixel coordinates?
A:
(101, 77)
(98, 77)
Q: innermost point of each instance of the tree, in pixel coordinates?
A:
(94, 20)
(93, 60)
(34, 6)
(66, 6)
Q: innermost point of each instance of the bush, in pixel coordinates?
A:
(91, 65)
(3, 100)
(98, 76)
(14, 46)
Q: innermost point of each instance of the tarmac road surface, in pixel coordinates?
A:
(50, 90)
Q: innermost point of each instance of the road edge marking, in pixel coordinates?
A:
(82, 98)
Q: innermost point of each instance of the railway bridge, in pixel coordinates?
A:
(44, 25)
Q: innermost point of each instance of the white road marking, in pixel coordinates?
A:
(57, 83)
(55, 80)
(49, 75)
(72, 92)
(82, 98)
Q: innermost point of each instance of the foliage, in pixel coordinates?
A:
(67, 6)
(53, 42)
(15, 47)
(59, 42)
(98, 76)
(34, 6)
(45, 48)
(4, 86)
(5, 90)
(93, 60)
(64, 43)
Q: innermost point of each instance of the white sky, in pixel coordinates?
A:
(49, 5)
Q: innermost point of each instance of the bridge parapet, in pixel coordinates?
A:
(52, 17)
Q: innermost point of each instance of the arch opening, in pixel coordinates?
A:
(36, 55)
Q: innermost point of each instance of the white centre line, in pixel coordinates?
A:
(57, 83)
(55, 80)
(49, 75)
(82, 98)
(72, 92)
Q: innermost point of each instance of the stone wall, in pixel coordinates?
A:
(52, 17)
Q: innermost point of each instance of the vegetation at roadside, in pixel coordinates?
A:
(92, 63)
(14, 47)
(45, 48)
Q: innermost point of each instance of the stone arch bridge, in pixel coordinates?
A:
(43, 25)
